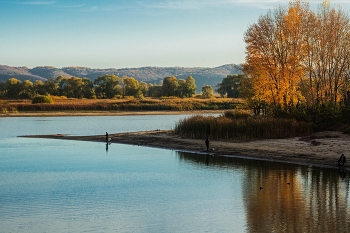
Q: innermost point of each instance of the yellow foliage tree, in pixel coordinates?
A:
(294, 55)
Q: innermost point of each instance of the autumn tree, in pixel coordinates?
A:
(272, 54)
(131, 86)
(296, 55)
(328, 52)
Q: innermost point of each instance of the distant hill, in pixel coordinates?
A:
(21, 73)
(203, 76)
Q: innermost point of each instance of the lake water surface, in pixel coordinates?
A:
(49, 185)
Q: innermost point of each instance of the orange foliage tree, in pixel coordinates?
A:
(297, 56)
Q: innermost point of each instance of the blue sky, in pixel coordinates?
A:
(128, 33)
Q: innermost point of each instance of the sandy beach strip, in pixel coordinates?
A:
(322, 149)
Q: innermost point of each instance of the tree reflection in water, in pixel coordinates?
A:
(280, 197)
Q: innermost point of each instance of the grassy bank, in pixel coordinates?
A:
(240, 126)
(148, 104)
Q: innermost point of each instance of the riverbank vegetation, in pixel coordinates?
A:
(129, 104)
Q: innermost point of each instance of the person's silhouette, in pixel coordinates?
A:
(207, 143)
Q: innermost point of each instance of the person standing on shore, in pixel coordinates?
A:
(207, 143)
(106, 137)
(342, 160)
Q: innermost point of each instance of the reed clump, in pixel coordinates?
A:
(5, 110)
(241, 127)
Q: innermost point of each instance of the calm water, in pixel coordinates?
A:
(71, 186)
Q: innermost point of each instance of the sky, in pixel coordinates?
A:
(129, 33)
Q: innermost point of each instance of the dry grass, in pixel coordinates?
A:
(241, 127)
(147, 104)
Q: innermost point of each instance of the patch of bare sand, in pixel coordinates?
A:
(320, 149)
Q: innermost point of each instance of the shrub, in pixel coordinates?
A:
(237, 114)
(42, 99)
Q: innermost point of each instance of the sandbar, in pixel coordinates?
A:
(321, 149)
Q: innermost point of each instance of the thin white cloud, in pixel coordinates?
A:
(38, 3)
(100, 8)
(74, 6)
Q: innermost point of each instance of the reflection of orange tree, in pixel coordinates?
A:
(294, 200)
(328, 201)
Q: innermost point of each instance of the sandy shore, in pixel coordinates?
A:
(321, 149)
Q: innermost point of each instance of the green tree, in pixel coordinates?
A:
(39, 88)
(190, 87)
(52, 87)
(230, 86)
(144, 88)
(155, 90)
(181, 86)
(169, 86)
(88, 89)
(61, 82)
(74, 88)
(207, 91)
(106, 86)
(13, 88)
(28, 90)
(2, 90)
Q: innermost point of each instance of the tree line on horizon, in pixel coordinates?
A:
(110, 86)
